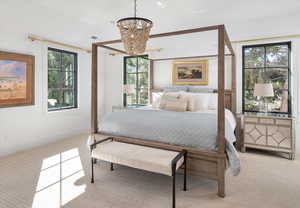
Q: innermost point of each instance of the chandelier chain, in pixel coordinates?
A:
(134, 8)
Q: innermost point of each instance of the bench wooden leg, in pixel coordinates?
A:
(111, 166)
(92, 162)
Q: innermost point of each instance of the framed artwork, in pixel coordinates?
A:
(16, 79)
(190, 73)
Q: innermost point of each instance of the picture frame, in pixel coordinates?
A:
(16, 79)
(190, 73)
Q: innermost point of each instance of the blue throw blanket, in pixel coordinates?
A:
(191, 129)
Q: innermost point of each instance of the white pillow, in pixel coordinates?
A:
(213, 101)
(198, 101)
(156, 99)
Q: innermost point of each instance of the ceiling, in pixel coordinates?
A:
(75, 21)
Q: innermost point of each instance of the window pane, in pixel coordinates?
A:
(54, 60)
(143, 80)
(143, 97)
(131, 99)
(277, 55)
(250, 102)
(278, 76)
(253, 76)
(54, 98)
(254, 57)
(57, 79)
(58, 98)
(278, 103)
(68, 98)
(68, 62)
(131, 79)
(131, 65)
(142, 64)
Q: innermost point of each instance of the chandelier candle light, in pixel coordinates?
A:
(134, 33)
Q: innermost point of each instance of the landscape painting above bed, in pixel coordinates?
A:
(190, 73)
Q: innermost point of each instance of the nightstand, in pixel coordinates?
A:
(269, 132)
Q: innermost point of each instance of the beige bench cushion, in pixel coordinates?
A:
(136, 156)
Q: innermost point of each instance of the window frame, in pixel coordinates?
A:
(75, 87)
(145, 56)
(288, 43)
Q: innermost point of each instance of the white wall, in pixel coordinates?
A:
(30, 126)
(113, 82)
(163, 73)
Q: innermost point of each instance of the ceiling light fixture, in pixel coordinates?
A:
(134, 33)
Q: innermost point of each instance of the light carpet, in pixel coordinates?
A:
(58, 175)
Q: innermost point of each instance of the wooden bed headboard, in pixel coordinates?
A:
(228, 97)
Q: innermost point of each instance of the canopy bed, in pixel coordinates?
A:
(209, 164)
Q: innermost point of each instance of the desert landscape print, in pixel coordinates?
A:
(12, 80)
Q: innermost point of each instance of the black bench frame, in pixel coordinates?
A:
(180, 154)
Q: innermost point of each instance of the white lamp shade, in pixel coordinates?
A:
(128, 88)
(264, 90)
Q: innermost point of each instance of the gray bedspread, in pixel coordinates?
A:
(192, 129)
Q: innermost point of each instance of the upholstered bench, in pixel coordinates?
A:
(141, 157)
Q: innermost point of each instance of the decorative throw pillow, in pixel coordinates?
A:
(174, 101)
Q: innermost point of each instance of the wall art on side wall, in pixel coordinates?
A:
(16, 79)
(190, 73)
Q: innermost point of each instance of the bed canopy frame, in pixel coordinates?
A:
(201, 162)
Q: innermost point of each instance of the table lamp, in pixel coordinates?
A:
(264, 90)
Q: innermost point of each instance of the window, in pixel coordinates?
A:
(268, 63)
(136, 76)
(62, 79)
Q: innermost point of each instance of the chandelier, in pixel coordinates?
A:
(134, 33)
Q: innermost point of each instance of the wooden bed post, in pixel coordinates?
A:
(221, 110)
(221, 90)
(94, 91)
